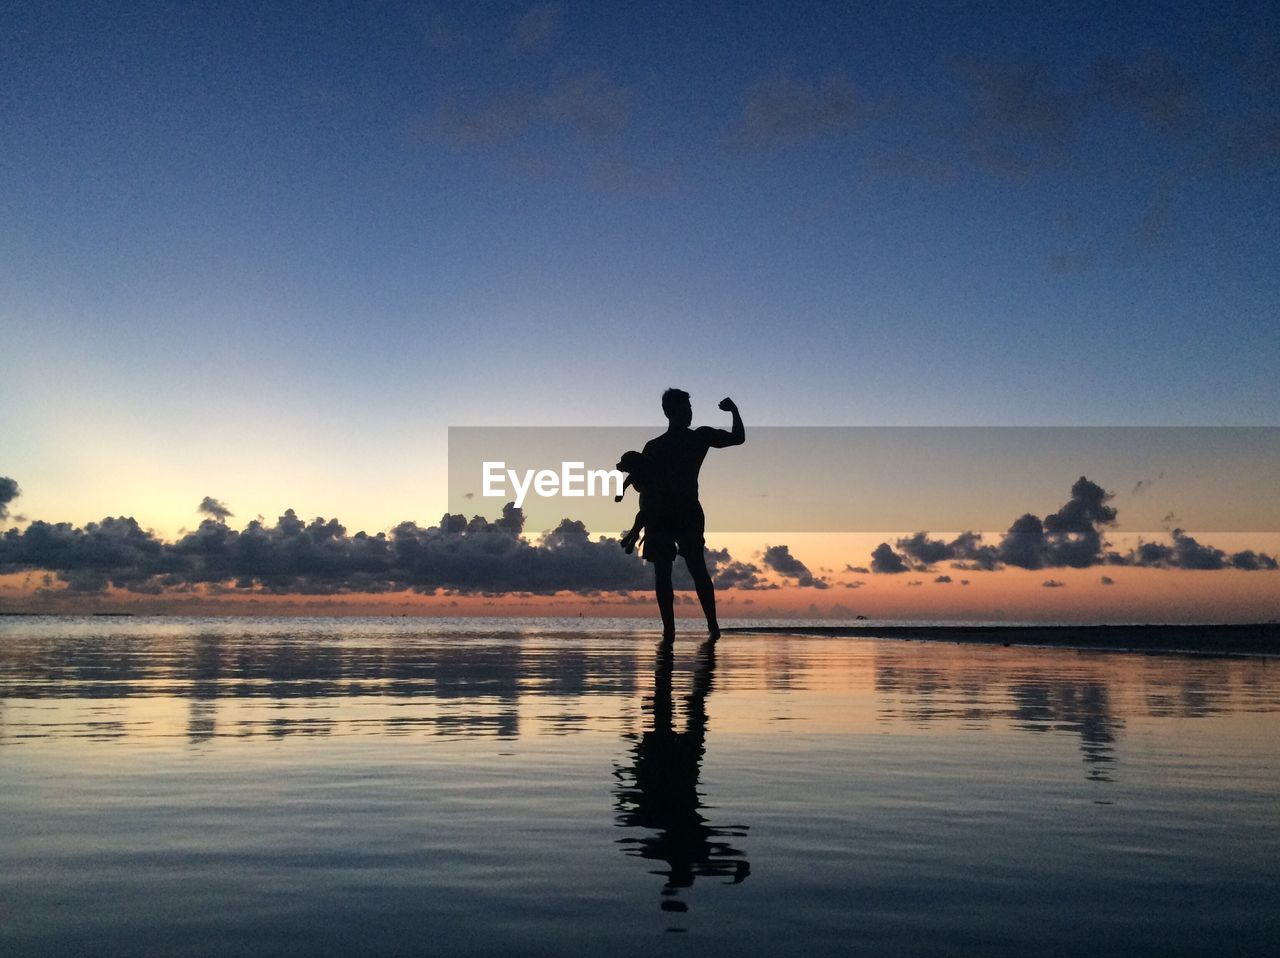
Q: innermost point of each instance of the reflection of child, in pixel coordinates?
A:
(636, 467)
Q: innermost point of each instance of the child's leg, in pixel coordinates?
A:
(632, 535)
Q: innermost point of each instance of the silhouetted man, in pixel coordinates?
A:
(675, 524)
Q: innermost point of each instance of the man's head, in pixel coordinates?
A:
(676, 407)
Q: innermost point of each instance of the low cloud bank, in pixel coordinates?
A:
(479, 556)
(320, 557)
(1073, 537)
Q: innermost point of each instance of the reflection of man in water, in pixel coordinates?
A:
(675, 523)
(659, 791)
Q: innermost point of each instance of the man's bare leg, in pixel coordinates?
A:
(666, 598)
(706, 592)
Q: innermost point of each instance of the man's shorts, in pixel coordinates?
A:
(667, 535)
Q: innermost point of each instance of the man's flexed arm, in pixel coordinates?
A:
(737, 435)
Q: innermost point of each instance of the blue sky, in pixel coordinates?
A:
(270, 252)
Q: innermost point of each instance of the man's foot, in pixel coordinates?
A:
(713, 633)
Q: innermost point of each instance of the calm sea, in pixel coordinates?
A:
(402, 787)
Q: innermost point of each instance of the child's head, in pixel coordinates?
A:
(634, 465)
(631, 462)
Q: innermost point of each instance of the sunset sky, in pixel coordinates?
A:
(271, 253)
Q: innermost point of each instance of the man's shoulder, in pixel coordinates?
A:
(664, 439)
(678, 443)
(682, 437)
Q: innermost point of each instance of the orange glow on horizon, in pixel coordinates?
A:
(1154, 595)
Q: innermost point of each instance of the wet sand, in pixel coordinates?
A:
(1249, 639)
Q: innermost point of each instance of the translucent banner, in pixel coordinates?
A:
(887, 479)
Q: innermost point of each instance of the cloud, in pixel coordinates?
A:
(1185, 552)
(1023, 118)
(537, 29)
(781, 561)
(1144, 485)
(966, 549)
(1107, 580)
(1054, 584)
(496, 120)
(635, 176)
(1019, 98)
(8, 492)
(1250, 561)
(213, 508)
(586, 104)
(884, 559)
(924, 550)
(114, 551)
(1026, 117)
(943, 580)
(1153, 85)
(782, 107)
(1073, 534)
(439, 33)
(1072, 537)
(1069, 261)
(727, 573)
(1167, 121)
(320, 557)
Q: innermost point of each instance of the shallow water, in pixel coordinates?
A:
(327, 786)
